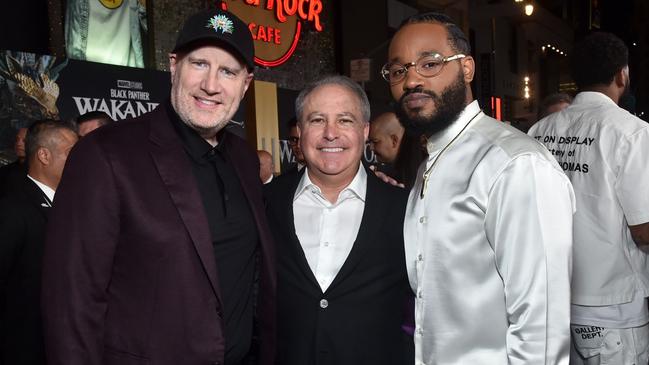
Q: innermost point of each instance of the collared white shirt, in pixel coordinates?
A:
(270, 178)
(488, 248)
(49, 192)
(327, 231)
(603, 149)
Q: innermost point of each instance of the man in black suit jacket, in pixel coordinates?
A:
(23, 216)
(341, 269)
(159, 229)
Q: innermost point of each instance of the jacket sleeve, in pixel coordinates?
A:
(529, 225)
(81, 240)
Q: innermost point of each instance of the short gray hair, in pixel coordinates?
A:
(338, 80)
(44, 133)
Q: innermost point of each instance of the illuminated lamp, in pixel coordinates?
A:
(529, 9)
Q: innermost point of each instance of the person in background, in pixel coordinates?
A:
(90, 121)
(266, 166)
(603, 149)
(553, 103)
(294, 143)
(385, 137)
(399, 154)
(23, 217)
(492, 283)
(14, 172)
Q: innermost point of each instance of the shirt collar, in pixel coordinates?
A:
(357, 187)
(49, 192)
(195, 145)
(589, 97)
(438, 141)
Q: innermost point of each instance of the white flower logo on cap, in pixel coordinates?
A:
(221, 22)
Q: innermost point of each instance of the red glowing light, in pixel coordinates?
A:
(286, 56)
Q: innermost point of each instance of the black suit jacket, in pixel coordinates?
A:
(11, 177)
(360, 323)
(129, 269)
(23, 216)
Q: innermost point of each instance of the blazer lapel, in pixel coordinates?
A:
(36, 196)
(175, 171)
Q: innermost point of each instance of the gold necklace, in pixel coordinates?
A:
(430, 169)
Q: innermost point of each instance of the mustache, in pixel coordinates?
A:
(417, 90)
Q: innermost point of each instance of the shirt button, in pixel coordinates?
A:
(420, 257)
(324, 303)
(420, 331)
(326, 244)
(422, 220)
(419, 294)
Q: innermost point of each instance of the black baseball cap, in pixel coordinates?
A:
(220, 26)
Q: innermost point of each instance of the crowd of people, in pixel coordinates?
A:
(166, 239)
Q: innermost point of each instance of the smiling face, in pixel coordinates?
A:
(332, 134)
(207, 85)
(429, 104)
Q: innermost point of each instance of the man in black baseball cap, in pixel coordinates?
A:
(159, 232)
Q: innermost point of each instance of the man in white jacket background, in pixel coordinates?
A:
(604, 151)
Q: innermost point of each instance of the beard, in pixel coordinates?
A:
(448, 107)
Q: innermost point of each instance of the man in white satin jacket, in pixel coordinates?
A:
(488, 227)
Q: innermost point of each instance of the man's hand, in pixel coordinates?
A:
(640, 234)
(386, 178)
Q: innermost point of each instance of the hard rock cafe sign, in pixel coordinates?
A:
(275, 25)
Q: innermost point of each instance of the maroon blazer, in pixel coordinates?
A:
(129, 275)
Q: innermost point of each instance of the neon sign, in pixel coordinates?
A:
(276, 25)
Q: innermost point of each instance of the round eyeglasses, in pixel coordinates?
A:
(429, 65)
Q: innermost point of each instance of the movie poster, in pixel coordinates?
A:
(40, 86)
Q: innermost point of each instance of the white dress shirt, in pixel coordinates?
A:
(49, 192)
(327, 231)
(488, 248)
(603, 149)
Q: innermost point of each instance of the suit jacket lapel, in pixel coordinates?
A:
(36, 196)
(175, 171)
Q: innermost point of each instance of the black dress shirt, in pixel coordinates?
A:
(234, 235)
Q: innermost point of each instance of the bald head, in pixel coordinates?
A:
(385, 137)
(266, 165)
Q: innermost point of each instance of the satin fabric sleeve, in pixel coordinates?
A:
(529, 225)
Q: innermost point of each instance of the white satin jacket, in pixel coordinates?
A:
(488, 248)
